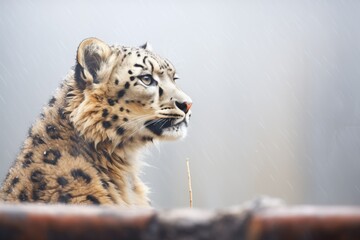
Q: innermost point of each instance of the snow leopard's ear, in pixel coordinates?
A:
(147, 46)
(91, 57)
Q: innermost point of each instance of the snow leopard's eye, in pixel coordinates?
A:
(147, 80)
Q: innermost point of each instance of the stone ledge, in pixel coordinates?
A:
(31, 221)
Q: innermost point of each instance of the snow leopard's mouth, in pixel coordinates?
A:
(161, 125)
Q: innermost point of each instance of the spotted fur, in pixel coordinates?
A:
(84, 147)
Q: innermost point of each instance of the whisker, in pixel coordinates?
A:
(142, 127)
(165, 120)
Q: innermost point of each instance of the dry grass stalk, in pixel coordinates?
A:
(189, 181)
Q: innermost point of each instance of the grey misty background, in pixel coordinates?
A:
(275, 86)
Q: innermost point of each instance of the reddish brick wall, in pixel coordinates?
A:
(81, 222)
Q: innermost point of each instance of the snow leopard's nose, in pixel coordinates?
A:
(185, 106)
